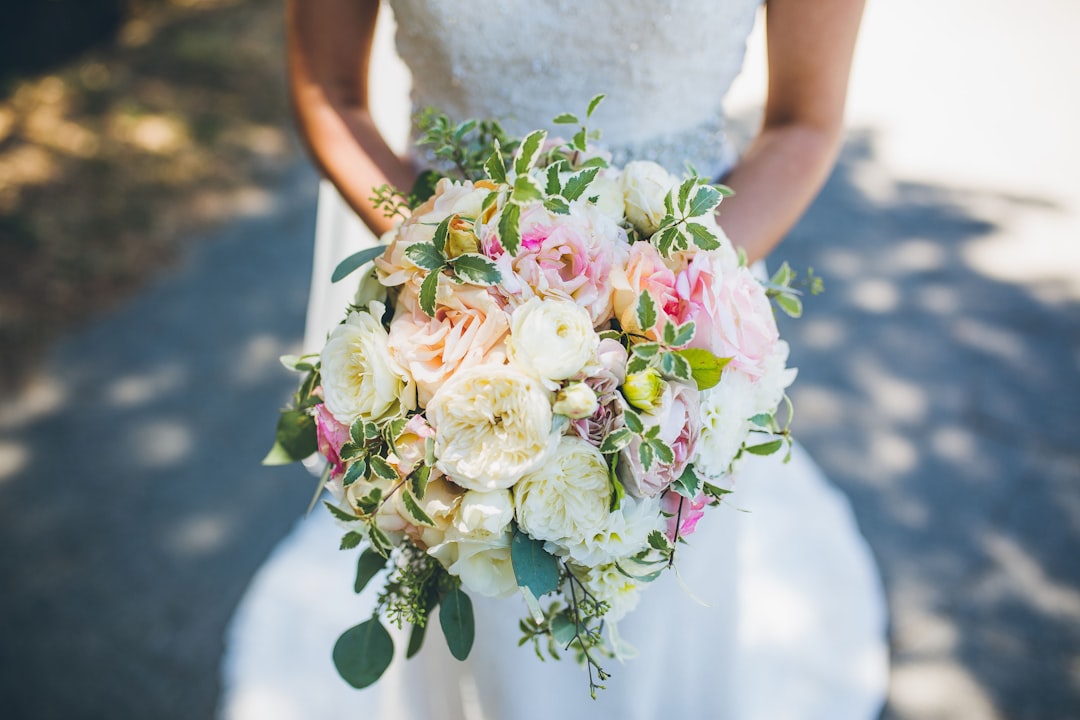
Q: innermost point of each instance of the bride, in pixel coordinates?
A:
(777, 612)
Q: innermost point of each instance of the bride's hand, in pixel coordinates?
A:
(329, 48)
(810, 45)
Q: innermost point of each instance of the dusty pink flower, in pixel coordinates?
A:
(569, 257)
(686, 518)
(680, 427)
(331, 435)
(605, 380)
(469, 328)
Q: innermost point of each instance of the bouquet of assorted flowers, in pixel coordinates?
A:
(544, 380)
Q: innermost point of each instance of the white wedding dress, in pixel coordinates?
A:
(780, 612)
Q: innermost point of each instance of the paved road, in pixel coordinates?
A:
(939, 388)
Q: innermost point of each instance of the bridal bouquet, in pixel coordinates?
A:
(545, 378)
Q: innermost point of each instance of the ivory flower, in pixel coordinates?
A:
(359, 377)
(551, 339)
(645, 185)
(492, 425)
(576, 401)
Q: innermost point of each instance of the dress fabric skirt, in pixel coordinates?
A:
(777, 613)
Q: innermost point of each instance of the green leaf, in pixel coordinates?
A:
(416, 640)
(790, 304)
(724, 190)
(476, 269)
(428, 290)
(667, 239)
(663, 451)
(351, 540)
(367, 567)
(297, 363)
(702, 236)
(529, 152)
(418, 480)
(355, 261)
(783, 276)
(593, 104)
(633, 421)
(339, 513)
(563, 629)
(767, 448)
(580, 140)
(646, 350)
(684, 334)
(596, 162)
(393, 429)
(579, 182)
(557, 205)
(646, 311)
(646, 455)
(425, 255)
(351, 450)
(714, 491)
(618, 492)
(705, 367)
(616, 441)
(357, 470)
(554, 183)
(526, 190)
(675, 365)
(294, 439)
(509, 232)
(636, 364)
(659, 541)
(382, 468)
(566, 119)
(458, 625)
(356, 431)
(363, 652)
(439, 240)
(684, 192)
(762, 420)
(705, 199)
(495, 167)
(688, 484)
(414, 510)
(424, 187)
(534, 567)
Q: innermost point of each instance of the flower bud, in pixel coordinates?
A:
(461, 239)
(576, 401)
(644, 390)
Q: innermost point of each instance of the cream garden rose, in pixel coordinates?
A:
(645, 184)
(492, 425)
(551, 339)
(359, 377)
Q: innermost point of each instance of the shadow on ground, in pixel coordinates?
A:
(133, 510)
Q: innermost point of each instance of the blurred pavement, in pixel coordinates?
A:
(938, 387)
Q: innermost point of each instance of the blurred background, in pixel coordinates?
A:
(156, 220)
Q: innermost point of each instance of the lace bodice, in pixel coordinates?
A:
(665, 66)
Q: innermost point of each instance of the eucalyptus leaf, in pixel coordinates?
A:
(534, 567)
(458, 624)
(356, 261)
(563, 629)
(416, 640)
(294, 439)
(367, 566)
(363, 652)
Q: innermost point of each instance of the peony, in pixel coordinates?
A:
(678, 418)
(551, 339)
(359, 377)
(492, 425)
(468, 329)
(564, 257)
(645, 185)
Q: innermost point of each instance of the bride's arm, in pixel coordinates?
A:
(810, 45)
(329, 48)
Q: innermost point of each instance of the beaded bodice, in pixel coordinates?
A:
(665, 66)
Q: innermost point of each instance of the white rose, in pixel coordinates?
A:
(484, 566)
(607, 189)
(492, 425)
(565, 503)
(358, 376)
(645, 185)
(609, 584)
(484, 514)
(576, 401)
(551, 339)
(726, 410)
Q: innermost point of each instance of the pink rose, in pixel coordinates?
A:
(680, 426)
(685, 519)
(411, 446)
(331, 435)
(469, 328)
(569, 257)
(646, 272)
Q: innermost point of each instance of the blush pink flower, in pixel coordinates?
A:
(331, 435)
(568, 257)
(411, 446)
(469, 329)
(646, 272)
(680, 427)
(686, 518)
